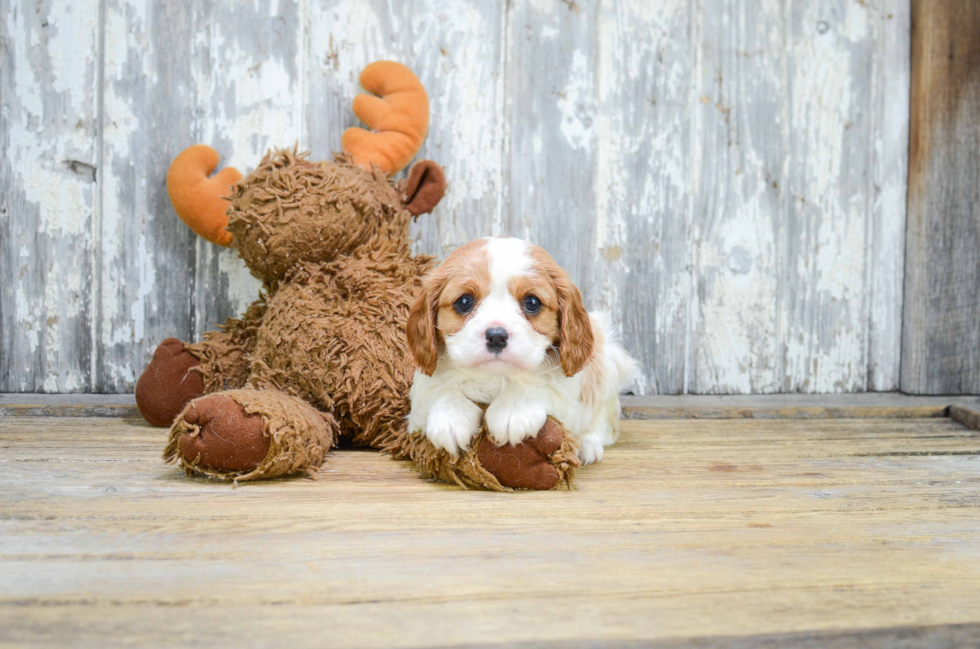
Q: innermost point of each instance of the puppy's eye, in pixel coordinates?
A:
(531, 304)
(464, 304)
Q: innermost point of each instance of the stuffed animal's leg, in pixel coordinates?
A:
(540, 462)
(180, 372)
(170, 380)
(249, 434)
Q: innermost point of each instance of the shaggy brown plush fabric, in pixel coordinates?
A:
(298, 435)
(331, 243)
(342, 280)
(225, 355)
(544, 462)
(289, 211)
(334, 336)
(323, 353)
(538, 463)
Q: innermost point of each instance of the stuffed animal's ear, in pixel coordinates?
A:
(423, 341)
(423, 188)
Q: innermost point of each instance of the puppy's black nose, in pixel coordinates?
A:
(496, 339)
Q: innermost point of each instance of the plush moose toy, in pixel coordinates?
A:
(321, 356)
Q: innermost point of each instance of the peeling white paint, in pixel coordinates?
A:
(243, 288)
(575, 104)
(263, 79)
(891, 25)
(857, 21)
(126, 254)
(699, 167)
(27, 320)
(47, 106)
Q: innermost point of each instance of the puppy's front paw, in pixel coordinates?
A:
(590, 450)
(453, 426)
(512, 420)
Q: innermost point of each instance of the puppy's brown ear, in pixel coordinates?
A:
(423, 342)
(576, 341)
(423, 188)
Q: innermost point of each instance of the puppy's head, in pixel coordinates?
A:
(500, 304)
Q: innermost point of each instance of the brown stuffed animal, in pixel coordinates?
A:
(322, 354)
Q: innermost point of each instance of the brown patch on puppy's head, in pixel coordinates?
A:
(465, 272)
(575, 340)
(540, 285)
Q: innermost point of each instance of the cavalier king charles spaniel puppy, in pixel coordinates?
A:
(500, 323)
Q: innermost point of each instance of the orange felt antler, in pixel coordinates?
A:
(199, 200)
(398, 117)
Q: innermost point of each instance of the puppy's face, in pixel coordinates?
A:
(500, 304)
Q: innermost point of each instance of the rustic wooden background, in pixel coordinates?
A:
(728, 178)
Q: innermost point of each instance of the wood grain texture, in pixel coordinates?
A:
(789, 236)
(688, 529)
(253, 100)
(968, 415)
(552, 165)
(941, 342)
(965, 410)
(151, 107)
(726, 178)
(49, 157)
(889, 405)
(885, 285)
(163, 93)
(457, 53)
(69, 405)
(641, 269)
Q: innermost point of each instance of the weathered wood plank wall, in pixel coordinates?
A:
(941, 348)
(727, 178)
(49, 195)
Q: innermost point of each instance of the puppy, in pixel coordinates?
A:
(500, 323)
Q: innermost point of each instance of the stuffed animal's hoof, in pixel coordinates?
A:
(222, 437)
(541, 462)
(250, 434)
(525, 465)
(168, 383)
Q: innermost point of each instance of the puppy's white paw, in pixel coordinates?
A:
(512, 420)
(452, 426)
(590, 450)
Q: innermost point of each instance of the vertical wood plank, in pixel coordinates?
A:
(153, 60)
(827, 199)
(726, 178)
(49, 167)
(890, 77)
(552, 97)
(740, 81)
(641, 254)
(254, 99)
(785, 200)
(178, 74)
(941, 333)
(457, 52)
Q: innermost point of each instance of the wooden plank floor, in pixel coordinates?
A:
(688, 530)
